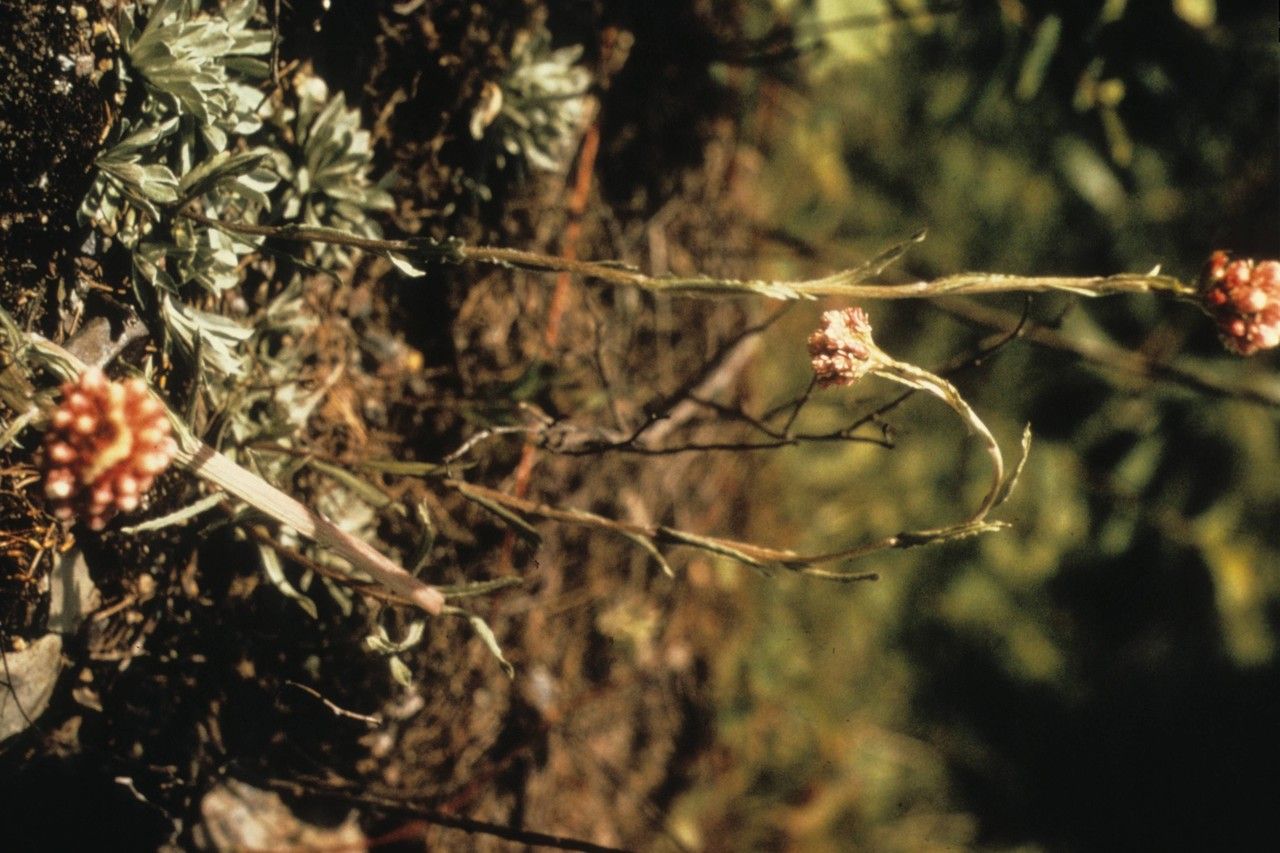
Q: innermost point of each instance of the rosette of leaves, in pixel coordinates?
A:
(201, 66)
(536, 112)
(231, 186)
(130, 182)
(196, 73)
(192, 76)
(328, 183)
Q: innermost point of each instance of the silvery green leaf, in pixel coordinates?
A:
(487, 637)
(191, 60)
(128, 31)
(148, 263)
(239, 12)
(275, 573)
(220, 337)
(247, 44)
(330, 173)
(340, 594)
(147, 136)
(214, 136)
(221, 167)
(247, 100)
(400, 672)
(543, 103)
(322, 128)
(253, 187)
(252, 196)
(381, 642)
(154, 182)
(354, 215)
(166, 10)
(403, 264)
(368, 198)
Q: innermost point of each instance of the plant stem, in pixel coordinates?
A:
(214, 468)
(850, 283)
(918, 378)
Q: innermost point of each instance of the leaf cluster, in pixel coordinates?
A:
(206, 137)
(536, 112)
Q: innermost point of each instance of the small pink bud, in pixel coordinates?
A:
(1266, 275)
(153, 463)
(841, 350)
(126, 485)
(93, 379)
(150, 437)
(1243, 296)
(1238, 274)
(59, 488)
(62, 452)
(106, 443)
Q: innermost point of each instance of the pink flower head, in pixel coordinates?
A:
(1243, 296)
(842, 349)
(107, 442)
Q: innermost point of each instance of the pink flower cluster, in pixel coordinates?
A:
(1243, 295)
(107, 441)
(841, 351)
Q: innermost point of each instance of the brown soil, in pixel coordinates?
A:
(199, 671)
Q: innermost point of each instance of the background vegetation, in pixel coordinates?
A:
(1099, 676)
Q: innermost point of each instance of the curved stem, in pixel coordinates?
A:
(923, 380)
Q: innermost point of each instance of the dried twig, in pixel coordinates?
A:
(338, 710)
(1265, 392)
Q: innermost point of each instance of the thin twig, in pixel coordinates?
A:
(748, 553)
(920, 379)
(338, 710)
(1112, 357)
(350, 792)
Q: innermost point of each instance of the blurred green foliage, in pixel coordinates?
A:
(1104, 675)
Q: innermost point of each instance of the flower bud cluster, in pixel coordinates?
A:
(107, 442)
(1243, 295)
(842, 351)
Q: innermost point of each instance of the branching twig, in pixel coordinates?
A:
(350, 792)
(757, 556)
(1112, 357)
